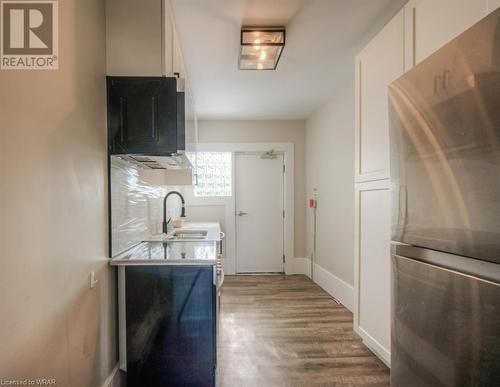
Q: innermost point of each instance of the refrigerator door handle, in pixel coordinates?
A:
(402, 205)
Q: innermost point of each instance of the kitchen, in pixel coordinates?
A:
(178, 210)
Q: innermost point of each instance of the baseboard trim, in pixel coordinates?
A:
(374, 346)
(114, 378)
(302, 266)
(332, 284)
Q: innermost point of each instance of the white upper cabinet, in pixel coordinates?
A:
(493, 4)
(431, 24)
(141, 39)
(191, 124)
(178, 66)
(380, 63)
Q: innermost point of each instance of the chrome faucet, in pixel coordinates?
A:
(183, 212)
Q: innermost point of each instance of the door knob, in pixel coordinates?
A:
(242, 213)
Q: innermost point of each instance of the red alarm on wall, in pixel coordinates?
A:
(312, 203)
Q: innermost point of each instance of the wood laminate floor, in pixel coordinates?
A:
(278, 330)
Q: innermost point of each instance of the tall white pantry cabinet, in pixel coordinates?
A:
(414, 33)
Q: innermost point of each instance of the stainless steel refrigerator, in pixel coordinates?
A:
(445, 182)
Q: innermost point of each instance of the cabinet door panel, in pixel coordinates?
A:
(374, 73)
(372, 312)
(493, 5)
(139, 38)
(435, 23)
(134, 38)
(178, 59)
(170, 326)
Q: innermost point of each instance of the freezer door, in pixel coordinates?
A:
(445, 147)
(445, 327)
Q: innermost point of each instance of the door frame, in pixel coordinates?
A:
(287, 148)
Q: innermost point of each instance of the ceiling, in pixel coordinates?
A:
(322, 38)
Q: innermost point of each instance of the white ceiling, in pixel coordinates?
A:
(322, 37)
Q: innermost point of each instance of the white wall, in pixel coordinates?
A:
(268, 131)
(330, 169)
(53, 212)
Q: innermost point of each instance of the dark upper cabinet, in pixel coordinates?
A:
(145, 116)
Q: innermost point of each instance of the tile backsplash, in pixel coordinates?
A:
(136, 205)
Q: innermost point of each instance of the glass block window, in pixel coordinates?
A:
(214, 174)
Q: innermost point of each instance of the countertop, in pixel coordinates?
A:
(159, 250)
(169, 253)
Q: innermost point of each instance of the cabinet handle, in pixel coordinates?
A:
(402, 205)
(178, 75)
(437, 83)
(446, 78)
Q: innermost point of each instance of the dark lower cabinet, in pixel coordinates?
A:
(170, 326)
(145, 116)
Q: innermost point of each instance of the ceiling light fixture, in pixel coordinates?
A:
(261, 47)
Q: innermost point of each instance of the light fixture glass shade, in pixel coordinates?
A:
(261, 47)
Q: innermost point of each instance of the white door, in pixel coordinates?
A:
(259, 213)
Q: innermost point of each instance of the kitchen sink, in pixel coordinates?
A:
(187, 235)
